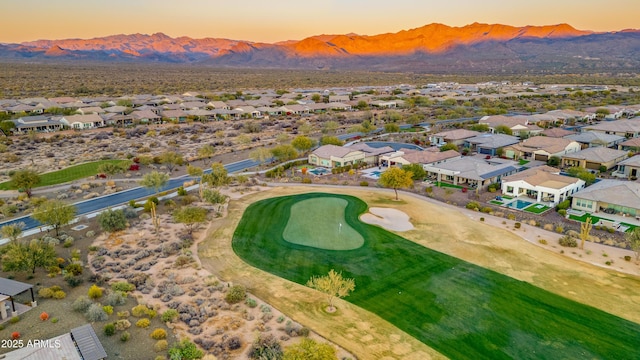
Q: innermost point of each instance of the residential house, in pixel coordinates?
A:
(488, 144)
(339, 106)
(294, 109)
(331, 156)
(80, 343)
(630, 145)
(384, 104)
(594, 158)
(339, 98)
(596, 139)
(610, 196)
(541, 148)
(89, 121)
(174, 115)
(145, 116)
(193, 105)
(424, 158)
(471, 171)
(117, 109)
(519, 125)
(218, 105)
(556, 132)
(209, 115)
(456, 137)
(37, 123)
(629, 168)
(543, 183)
(626, 128)
(372, 154)
(90, 110)
(248, 111)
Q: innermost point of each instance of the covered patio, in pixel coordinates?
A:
(9, 289)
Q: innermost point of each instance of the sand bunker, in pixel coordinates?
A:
(390, 219)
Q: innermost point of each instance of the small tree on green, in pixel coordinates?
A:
(112, 220)
(260, 154)
(12, 231)
(54, 213)
(333, 285)
(633, 238)
(391, 128)
(28, 257)
(503, 129)
(396, 178)
(190, 216)
(25, 179)
(154, 180)
(195, 171)
(284, 152)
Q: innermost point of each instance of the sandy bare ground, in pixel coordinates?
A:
(387, 218)
(438, 226)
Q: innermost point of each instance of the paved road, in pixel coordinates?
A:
(122, 197)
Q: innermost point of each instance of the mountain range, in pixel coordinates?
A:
(433, 48)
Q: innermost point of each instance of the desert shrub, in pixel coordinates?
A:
(559, 229)
(95, 312)
(44, 316)
(125, 336)
(511, 216)
(115, 298)
(304, 331)
(68, 242)
(563, 205)
(74, 269)
(123, 314)
(486, 209)
(122, 286)
(158, 334)
(59, 294)
(562, 212)
(265, 347)
(236, 294)
(517, 225)
(170, 315)
(73, 281)
(473, 205)
(122, 324)
(95, 292)
(14, 319)
(481, 219)
(109, 329)
(185, 350)
(181, 191)
(130, 213)
(306, 180)
(46, 293)
(112, 220)
(364, 183)
(143, 323)
(627, 258)
(493, 187)
(568, 241)
(140, 310)
(160, 345)
(251, 302)
(81, 304)
(542, 241)
(234, 343)
(54, 320)
(108, 309)
(548, 227)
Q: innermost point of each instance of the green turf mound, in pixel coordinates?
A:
(320, 223)
(460, 309)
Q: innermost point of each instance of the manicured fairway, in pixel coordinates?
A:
(462, 310)
(67, 174)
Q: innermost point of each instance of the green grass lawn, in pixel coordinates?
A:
(595, 219)
(462, 310)
(536, 210)
(496, 202)
(67, 174)
(443, 184)
(523, 162)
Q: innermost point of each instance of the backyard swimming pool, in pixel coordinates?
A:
(319, 171)
(519, 204)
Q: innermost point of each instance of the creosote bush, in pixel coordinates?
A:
(143, 323)
(169, 315)
(95, 292)
(109, 329)
(236, 294)
(158, 334)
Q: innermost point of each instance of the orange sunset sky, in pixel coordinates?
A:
(278, 20)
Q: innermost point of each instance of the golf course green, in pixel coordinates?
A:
(462, 310)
